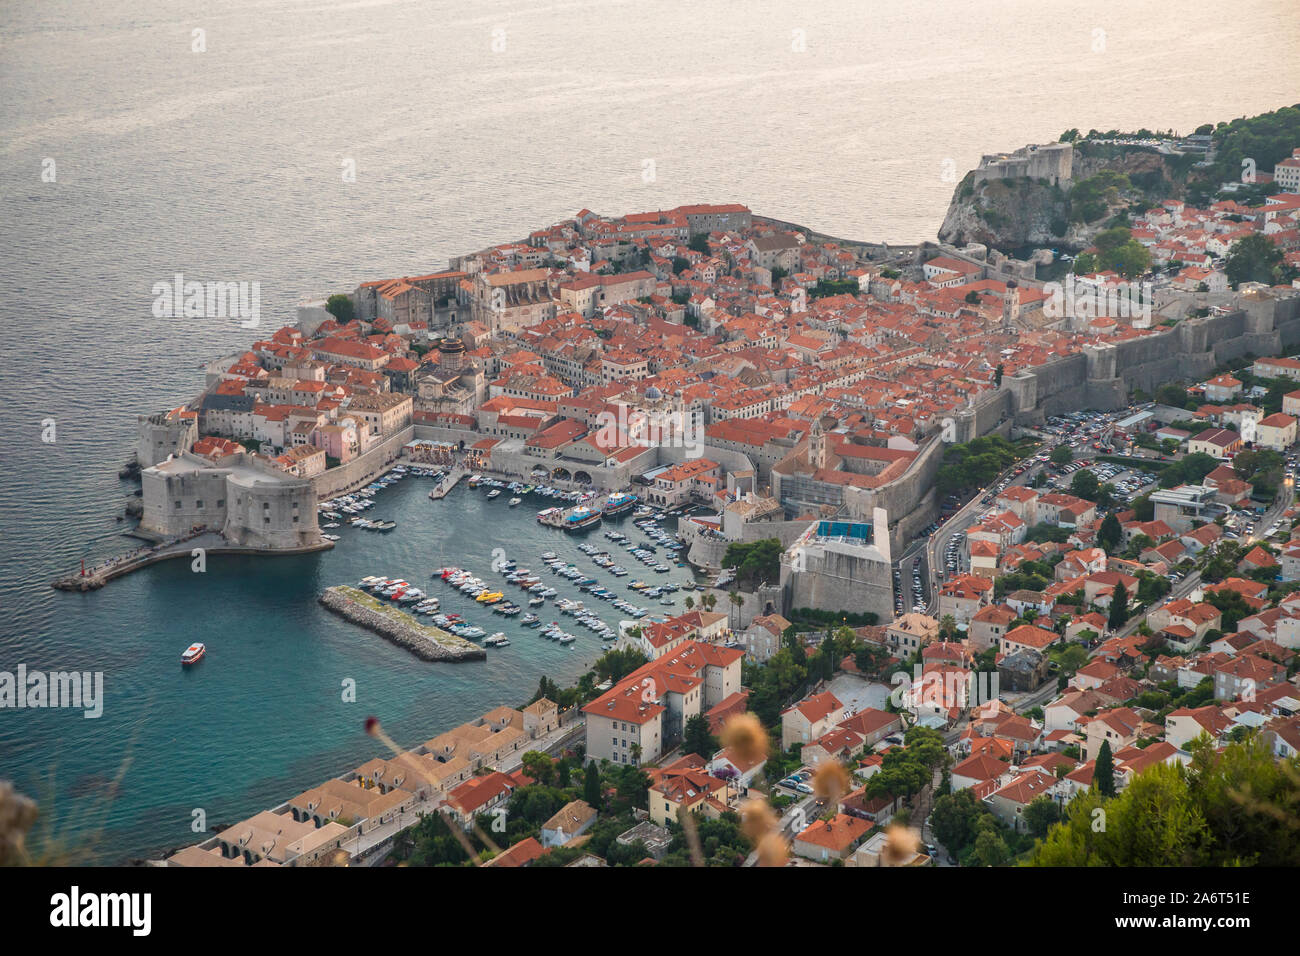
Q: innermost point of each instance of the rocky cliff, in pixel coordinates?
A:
(1011, 214)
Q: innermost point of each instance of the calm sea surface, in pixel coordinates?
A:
(466, 124)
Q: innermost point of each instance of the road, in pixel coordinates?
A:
(936, 546)
(1284, 500)
(793, 821)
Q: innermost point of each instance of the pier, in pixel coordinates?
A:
(210, 542)
(451, 481)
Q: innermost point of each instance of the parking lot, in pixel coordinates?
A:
(1129, 483)
(917, 584)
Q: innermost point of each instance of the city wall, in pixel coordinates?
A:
(1104, 376)
(909, 500)
(363, 469)
(707, 551)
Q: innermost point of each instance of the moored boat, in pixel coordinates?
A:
(619, 503)
(581, 518)
(194, 653)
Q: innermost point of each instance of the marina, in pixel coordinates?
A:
(263, 620)
(504, 587)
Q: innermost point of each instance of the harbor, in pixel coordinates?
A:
(266, 693)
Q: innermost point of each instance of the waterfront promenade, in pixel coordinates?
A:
(371, 848)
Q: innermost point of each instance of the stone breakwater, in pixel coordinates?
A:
(427, 643)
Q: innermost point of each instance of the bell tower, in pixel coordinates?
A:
(817, 446)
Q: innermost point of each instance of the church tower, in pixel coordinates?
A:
(817, 446)
(1010, 307)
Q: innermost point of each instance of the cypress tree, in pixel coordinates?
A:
(1103, 773)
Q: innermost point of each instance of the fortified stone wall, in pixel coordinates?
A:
(909, 527)
(362, 470)
(836, 581)
(200, 494)
(907, 500)
(1104, 376)
(706, 551)
(270, 515)
(250, 505)
(159, 436)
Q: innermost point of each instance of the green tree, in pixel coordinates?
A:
(1173, 395)
(1110, 534)
(955, 818)
(696, 738)
(539, 766)
(1090, 199)
(340, 306)
(990, 849)
(1255, 258)
(1041, 813)
(1118, 615)
(1061, 455)
(755, 562)
(1070, 658)
(1103, 771)
(1235, 807)
(591, 785)
(1085, 485)
(737, 601)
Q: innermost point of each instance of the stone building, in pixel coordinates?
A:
(246, 498)
(1051, 161)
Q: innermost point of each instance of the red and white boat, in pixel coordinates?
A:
(194, 653)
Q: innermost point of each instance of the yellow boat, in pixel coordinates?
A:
(490, 597)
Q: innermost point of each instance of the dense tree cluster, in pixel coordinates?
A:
(975, 463)
(1235, 807)
(756, 562)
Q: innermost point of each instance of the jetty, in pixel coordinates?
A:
(449, 482)
(397, 627)
(209, 542)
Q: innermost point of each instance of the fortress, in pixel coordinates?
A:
(250, 502)
(1051, 161)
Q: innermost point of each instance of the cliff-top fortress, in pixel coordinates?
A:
(1051, 161)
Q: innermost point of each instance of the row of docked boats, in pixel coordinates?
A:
(397, 590)
(351, 508)
(368, 524)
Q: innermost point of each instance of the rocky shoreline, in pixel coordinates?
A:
(426, 643)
